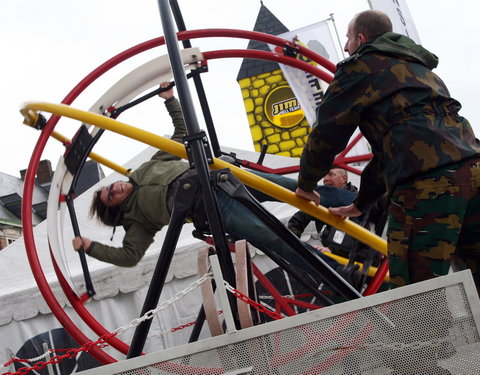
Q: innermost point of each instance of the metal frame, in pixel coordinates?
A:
(72, 95)
(175, 148)
(463, 277)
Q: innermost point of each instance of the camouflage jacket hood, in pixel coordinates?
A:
(397, 45)
(403, 109)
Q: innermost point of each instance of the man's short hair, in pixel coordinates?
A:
(108, 215)
(371, 23)
(343, 172)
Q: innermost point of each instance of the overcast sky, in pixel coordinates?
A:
(49, 46)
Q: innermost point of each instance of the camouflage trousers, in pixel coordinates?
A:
(434, 223)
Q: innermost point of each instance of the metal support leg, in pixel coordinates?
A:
(197, 328)
(183, 204)
(185, 200)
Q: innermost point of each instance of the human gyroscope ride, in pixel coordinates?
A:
(203, 152)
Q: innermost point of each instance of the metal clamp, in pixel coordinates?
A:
(206, 146)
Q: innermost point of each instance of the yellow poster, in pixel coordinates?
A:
(275, 116)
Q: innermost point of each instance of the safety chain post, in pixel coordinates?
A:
(46, 349)
(222, 295)
(10, 355)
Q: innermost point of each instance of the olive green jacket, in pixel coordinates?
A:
(145, 210)
(402, 108)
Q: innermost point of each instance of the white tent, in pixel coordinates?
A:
(120, 292)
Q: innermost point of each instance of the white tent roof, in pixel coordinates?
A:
(20, 297)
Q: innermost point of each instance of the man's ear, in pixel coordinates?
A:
(362, 38)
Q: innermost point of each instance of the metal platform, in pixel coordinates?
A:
(430, 327)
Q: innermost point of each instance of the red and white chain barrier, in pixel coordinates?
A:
(251, 302)
(101, 342)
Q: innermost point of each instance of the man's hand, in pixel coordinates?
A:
(345, 211)
(322, 249)
(310, 195)
(81, 242)
(166, 94)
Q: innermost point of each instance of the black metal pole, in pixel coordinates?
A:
(159, 276)
(81, 252)
(197, 147)
(207, 115)
(197, 328)
(329, 276)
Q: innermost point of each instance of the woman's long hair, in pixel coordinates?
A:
(108, 215)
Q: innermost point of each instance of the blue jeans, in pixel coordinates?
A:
(240, 222)
(329, 196)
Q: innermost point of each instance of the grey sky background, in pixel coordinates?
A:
(49, 46)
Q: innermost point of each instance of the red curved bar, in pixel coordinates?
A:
(35, 265)
(259, 36)
(191, 34)
(77, 304)
(377, 280)
(270, 56)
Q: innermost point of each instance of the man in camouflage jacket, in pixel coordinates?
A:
(425, 155)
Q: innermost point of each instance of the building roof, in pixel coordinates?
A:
(11, 193)
(90, 174)
(266, 23)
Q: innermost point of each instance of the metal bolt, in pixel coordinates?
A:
(224, 177)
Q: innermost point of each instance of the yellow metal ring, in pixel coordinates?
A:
(172, 147)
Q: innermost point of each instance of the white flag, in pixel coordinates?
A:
(400, 16)
(307, 88)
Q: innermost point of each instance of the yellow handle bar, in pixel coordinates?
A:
(175, 148)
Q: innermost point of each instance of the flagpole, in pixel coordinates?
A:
(336, 33)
